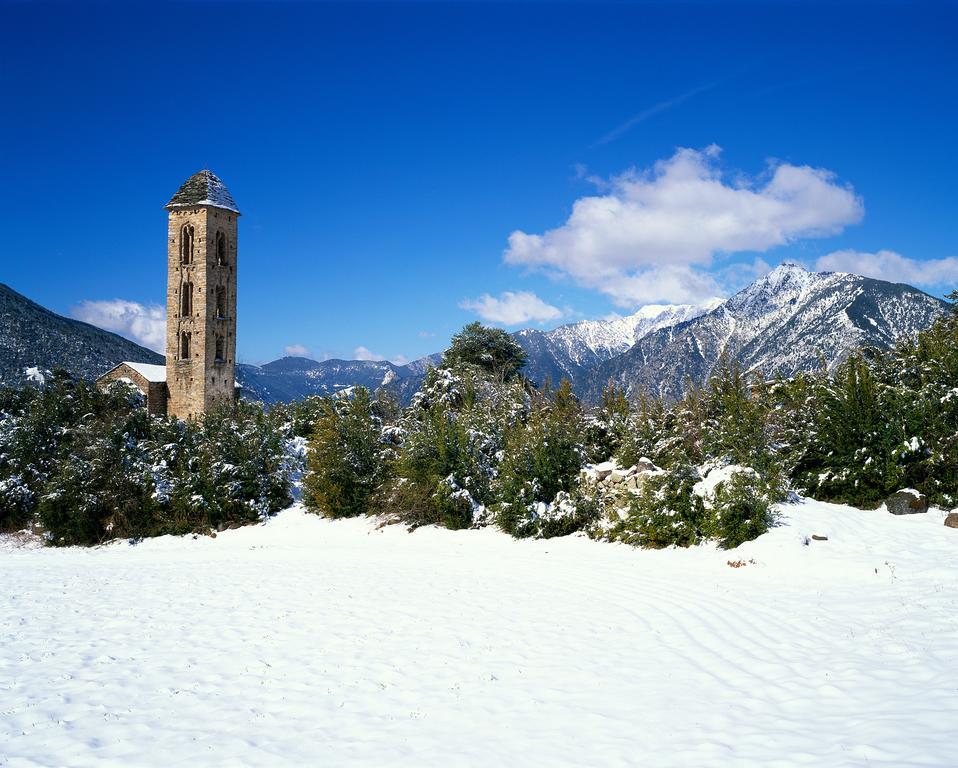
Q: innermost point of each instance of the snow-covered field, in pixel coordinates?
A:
(310, 642)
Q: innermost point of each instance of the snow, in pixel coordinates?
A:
(33, 373)
(154, 373)
(614, 335)
(707, 485)
(313, 642)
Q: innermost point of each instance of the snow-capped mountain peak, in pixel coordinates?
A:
(783, 286)
(570, 349)
(790, 320)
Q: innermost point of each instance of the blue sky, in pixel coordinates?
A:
(405, 168)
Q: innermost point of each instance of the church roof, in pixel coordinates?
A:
(150, 372)
(203, 188)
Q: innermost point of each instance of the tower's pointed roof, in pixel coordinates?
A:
(203, 188)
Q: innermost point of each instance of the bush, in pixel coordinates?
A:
(740, 510)
(606, 431)
(568, 513)
(346, 460)
(665, 512)
(440, 473)
(93, 465)
(542, 458)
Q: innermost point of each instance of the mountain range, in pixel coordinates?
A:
(787, 321)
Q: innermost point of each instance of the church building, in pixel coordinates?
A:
(200, 370)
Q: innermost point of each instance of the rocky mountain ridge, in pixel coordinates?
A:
(788, 321)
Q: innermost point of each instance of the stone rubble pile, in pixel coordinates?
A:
(609, 476)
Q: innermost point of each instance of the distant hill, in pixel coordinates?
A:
(291, 378)
(32, 337)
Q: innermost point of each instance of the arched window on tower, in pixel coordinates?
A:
(186, 300)
(184, 346)
(186, 244)
(220, 349)
(220, 302)
(220, 249)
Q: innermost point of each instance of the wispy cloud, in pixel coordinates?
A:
(512, 308)
(655, 109)
(142, 323)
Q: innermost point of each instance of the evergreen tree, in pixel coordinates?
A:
(542, 459)
(606, 431)
(490, 349)
(736, 418)
(856, 435)
(346, 460)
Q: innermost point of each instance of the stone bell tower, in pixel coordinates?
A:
(201, 297)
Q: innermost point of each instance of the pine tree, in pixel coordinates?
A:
(346, 458)
(491, 349)
(542, 459)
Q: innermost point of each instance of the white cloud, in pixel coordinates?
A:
(891, 266)
(145, 324)
(512, 308)
(654, 233)
(296, 350)
(364, 353)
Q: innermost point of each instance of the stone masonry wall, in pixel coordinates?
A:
(196, 383)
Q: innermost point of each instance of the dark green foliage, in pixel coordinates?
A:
(439, 472)
(852, 458)
(449, 441)
(666, 512)
(93, 465)
(735, 409)
(608, 429)
(490, 349)
(576, 512)
(542, 458)
(741, 510)
(346, 462)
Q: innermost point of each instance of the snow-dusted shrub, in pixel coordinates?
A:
(442, 471)
(542, 458)
(449, 444)
(567, 513)
(666, 511)
(347, 458)
(605, 431)
(739, 508)
(16, 502)
(851, 457)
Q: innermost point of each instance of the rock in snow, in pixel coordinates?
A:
(907, 502)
